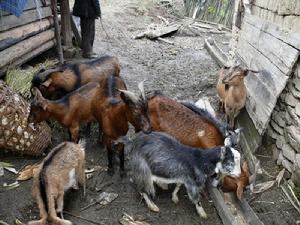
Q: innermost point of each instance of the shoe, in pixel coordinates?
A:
(90, 56)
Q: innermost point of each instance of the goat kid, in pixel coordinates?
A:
(232, 91)
(57, 82)
(62, 169)
(159, 158)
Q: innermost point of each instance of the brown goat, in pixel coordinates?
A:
(62, 169)
(181, 122)
(96, 101)
(221, 88)
(55, 83)
(237, 184)
(191, 126)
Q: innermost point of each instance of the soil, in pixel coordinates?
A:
(182, 71)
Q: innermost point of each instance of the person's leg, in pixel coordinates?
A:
(92, 32)
(85, 43)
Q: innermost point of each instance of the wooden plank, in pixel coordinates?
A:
(30, 55)
(75, 24)
(279, 53)
(66, 29)
(13, 36)
(12, 21)
(218, 55)
(11, 54)
(223, 211)
(263, 89)
(291, 38)
(30, 5)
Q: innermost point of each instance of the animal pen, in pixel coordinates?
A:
(261, 35)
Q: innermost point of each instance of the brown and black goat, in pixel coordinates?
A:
(62, 169)
(191, 126)
(55, 83)
(101, 101)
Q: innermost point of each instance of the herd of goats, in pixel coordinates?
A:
(175, 142)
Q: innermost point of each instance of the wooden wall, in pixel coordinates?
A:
(24, 37)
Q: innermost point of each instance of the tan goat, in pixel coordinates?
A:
(232, 91)
(62, 169)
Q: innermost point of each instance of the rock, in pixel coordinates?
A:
(280, 159)
(280, 141)
(288, 152)
(292, 119)
(295, 93)
(276, 127)
(296, 82)
(296, 177)
(287, 164)
(297, 162)
(292, 134)
(275, 152)
(291, 100)
(273, 134)
(297, 109)
(278, 118)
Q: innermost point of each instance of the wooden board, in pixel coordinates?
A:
(291, 38)
(30, 5)
(11, 21)
(13, 36)
(11, 54)
(260, 49)
(30, 55)
(216, 52)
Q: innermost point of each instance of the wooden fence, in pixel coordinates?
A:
(219, 11)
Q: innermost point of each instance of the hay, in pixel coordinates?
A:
(20, 79)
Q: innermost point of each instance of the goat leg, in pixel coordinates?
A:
(200, 210)
(108, 143)
(175, 198)
(151, 205)
(120, 148)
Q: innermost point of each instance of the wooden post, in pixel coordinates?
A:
(57, 31)
(66, 23)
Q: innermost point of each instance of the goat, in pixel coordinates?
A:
(159, 158)
(57, 82)
(62, 169)
(221, 88)
(190, 125)
(100, 101)
(186, 122)
(232, 91)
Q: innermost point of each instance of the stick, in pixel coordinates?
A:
(290, 199)
(89, 205)
(166, 41)
(82, 218)
(57, 32)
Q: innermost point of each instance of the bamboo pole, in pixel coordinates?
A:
(57, 32)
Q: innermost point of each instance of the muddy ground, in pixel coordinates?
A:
(182, 71)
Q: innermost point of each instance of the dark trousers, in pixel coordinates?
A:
(87, 34)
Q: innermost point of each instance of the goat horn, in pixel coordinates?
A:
(130, 95)
(142, 89)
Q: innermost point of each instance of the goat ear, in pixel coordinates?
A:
(37, 95)
(47, 82)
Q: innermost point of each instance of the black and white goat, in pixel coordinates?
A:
(159, 158)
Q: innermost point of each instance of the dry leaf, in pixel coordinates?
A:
(128, 220)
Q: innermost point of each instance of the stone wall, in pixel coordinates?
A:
(285, 13)
(284, 127)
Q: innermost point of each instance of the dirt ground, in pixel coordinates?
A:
(184, 70)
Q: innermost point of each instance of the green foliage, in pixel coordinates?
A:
(211, 9)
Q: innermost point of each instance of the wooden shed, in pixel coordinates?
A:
(26, 36)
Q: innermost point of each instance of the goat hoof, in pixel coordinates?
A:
(175, 199)
(123, 174)
(110, 171)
